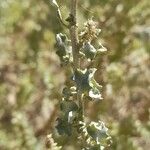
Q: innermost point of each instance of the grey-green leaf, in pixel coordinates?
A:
(81, 77)
(89, 50)
(97, 130)
(63, 127)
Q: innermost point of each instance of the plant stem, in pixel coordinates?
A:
(75, 51)
(74, 34)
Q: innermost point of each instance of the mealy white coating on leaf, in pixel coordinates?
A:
(58, 39)
(70, 116)
(95, 95)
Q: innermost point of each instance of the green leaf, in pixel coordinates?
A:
(60, 45)
(67, 92)
(89, 50)
(94, 83)
(95, 93)
(81, 77)
(98, 131)
(69, 111)
(63, 127)
(68, 105)
(63, 48)
(96, 135)
(86, 83)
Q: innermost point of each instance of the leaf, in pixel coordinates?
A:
(94, 83)
(86, 83)
(67, 92)
(67, 105)
(63, 127)
(89, 50)
(69, 111)
(96, 135)
(98, 131)
(63, 48)
(95, 93)
(81, 77)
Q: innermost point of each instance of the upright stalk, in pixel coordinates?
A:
(74, 33)
(75, 50)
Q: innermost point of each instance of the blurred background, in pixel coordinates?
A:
(31, 78)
